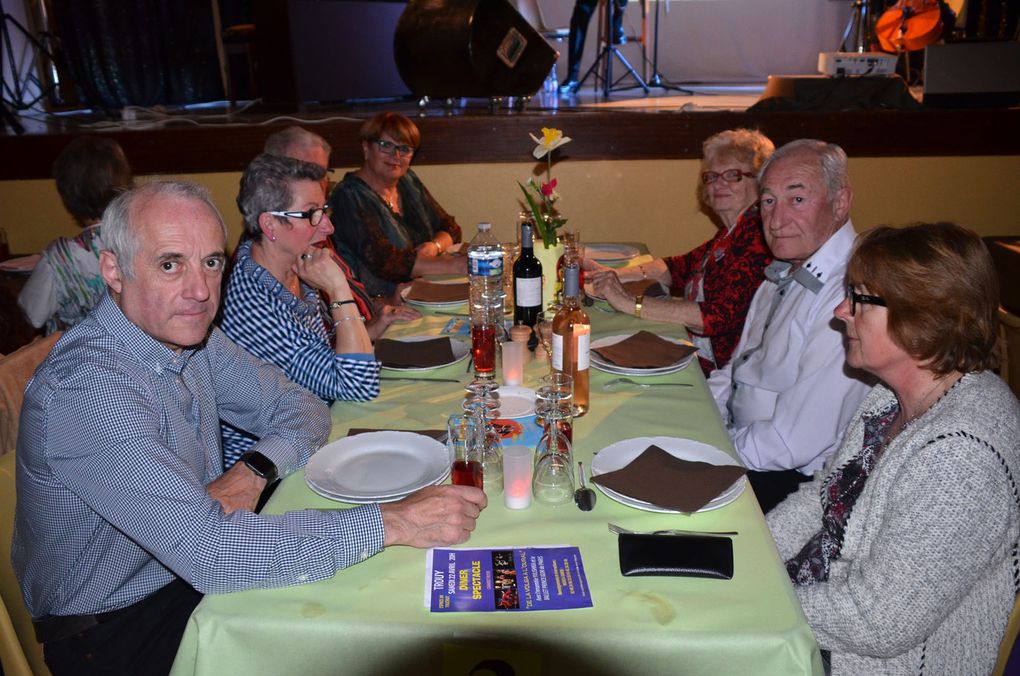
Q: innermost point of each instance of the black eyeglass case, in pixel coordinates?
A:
(676, 555)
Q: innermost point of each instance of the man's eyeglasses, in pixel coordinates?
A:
(857, 298)
(314, 216)
(730, 176)
(389, 148)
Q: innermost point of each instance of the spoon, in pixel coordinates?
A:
(583, 496)
(628, 381)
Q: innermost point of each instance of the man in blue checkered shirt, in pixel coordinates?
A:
(124, 514)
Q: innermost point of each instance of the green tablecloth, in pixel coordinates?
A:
(371, 619)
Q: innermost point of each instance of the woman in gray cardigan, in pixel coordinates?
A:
(904, 549)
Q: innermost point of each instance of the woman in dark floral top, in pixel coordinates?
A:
(388, 225)
(717, 279)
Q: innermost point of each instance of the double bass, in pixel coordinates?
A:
(909, 25)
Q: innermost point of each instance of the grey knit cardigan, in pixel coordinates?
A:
(928, 570)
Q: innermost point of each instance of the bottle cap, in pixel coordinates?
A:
(527, 240)
(571, 279)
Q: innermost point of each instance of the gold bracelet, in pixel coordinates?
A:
(638, 300)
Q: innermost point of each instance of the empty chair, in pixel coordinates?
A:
(15, 371)
(26, 658)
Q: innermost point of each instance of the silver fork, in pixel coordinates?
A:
(628, 381)
(620, 530)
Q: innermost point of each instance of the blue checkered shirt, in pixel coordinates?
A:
(120, 436)
(266, 319)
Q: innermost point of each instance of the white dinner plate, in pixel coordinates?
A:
(610, 252)
(435, 304)
(460, 352)
(609, 367)
(516, 402)
(377, 466)
(622, 453)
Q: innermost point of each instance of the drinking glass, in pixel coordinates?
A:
(544, 331)
(492, 461)
(464, 442)
(553, 482)
(511, 251)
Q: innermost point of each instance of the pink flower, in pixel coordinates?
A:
(547, 188)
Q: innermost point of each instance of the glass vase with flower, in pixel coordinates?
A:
(541, 199)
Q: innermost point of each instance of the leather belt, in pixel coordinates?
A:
(59, 627)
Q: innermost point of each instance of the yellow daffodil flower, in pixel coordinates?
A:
(550, 141)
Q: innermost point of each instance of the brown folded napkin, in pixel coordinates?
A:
(643, 287)
(438, 435)
(657, 477)
(644, 350)
(430, 292)
(414, 354)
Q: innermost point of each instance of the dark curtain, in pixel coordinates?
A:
(141, 53)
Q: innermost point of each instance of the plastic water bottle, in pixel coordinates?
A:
(485, 272)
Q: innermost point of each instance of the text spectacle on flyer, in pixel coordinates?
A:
(505, 579)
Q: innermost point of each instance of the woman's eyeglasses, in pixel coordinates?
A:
(858, 298)
(730, 176)
(389, 148)
(314, 216)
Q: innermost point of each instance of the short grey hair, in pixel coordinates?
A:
(832, 162)
(266, 186)
(282, 141)
(120, 233)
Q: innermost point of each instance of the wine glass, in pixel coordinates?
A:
(543, 330)
(553, 482)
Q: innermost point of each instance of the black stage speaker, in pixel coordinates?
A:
(471, 48)
(310, 50)
(972, 74)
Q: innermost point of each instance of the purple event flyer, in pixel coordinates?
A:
(506, 578)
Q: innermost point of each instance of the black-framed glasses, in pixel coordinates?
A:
(389, 148)
(730, 176)
(314, 216)
(858, 298)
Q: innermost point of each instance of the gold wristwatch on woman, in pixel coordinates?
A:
(638, 300)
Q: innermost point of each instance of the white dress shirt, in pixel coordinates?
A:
(787, 395)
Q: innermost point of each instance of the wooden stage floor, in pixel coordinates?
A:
(626, 125)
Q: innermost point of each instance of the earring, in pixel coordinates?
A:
(272, 237)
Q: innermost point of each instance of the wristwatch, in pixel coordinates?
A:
(638, 302)
(261, 465)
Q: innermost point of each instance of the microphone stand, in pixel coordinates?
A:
(605, 58)
(657, 80)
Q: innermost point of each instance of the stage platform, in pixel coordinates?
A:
(627, 125)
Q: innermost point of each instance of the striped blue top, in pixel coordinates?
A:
(263, 317)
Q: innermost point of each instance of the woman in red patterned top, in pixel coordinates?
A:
(717, 279)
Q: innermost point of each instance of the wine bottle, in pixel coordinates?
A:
(571, 339)
(527, 281)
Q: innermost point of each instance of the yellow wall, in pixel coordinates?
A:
(651, 201)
